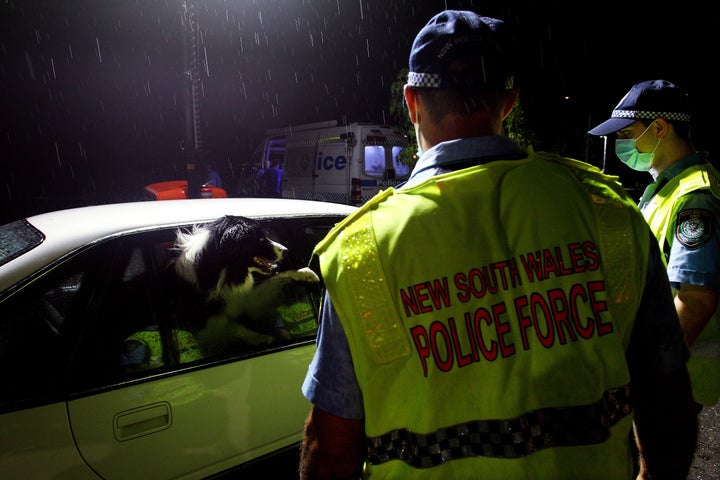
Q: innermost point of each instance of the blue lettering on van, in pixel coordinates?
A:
(381, 183)
(330, 163)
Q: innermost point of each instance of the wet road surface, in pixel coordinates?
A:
(706, 465)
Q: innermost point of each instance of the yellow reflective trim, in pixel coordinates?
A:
(382, 329)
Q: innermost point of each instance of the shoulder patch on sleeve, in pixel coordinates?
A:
(694, 227)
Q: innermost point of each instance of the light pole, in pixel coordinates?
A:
(192, 143)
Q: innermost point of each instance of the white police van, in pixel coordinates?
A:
(335, 163)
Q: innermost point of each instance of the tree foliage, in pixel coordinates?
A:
(398, 111)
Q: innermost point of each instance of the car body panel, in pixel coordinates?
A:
(68, 408)
(242, 415)
(37, 444)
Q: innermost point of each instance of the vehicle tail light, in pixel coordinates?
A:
(355, 192)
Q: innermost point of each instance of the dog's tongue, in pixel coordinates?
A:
(264, 264)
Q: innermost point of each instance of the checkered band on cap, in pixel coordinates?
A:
(434, 80)
(430, 80)
(672, 116)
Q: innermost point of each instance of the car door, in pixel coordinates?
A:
(38, 335)
(195, 423)
(183, 419)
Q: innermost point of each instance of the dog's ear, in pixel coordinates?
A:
(234, 231)
(232, 244)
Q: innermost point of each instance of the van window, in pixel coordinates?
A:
(401, 169)
(374, 160)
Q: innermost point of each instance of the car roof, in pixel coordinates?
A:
(68, 230)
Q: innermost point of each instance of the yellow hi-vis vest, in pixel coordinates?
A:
(660, 213)
(187, 347)
(488, 311)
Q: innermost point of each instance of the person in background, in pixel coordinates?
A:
(475, 326)
(213, 178)
(682, 206)
(270, 179)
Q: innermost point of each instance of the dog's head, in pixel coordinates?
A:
(226, 253)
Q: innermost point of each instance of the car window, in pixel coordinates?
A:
(115, 312)
(17, 238)
(37, 331)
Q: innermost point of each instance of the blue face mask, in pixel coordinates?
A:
(628, 153)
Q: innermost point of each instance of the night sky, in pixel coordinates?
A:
(93, 92)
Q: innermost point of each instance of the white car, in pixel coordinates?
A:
(75, 284)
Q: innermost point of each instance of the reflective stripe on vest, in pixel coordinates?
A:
(517, 437)
(374, 305)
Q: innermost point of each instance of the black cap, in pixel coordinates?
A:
(461, 49)
(647, 100)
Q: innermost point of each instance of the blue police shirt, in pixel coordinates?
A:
(695, 263)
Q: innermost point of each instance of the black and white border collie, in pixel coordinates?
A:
(232, 261)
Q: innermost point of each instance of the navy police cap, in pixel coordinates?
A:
(647, 100)
(463, 50)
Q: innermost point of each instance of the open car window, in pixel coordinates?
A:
(115, 312)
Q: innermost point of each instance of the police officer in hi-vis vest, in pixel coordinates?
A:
(682, 206)
(504, 314)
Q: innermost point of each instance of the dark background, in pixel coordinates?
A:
(93, 94)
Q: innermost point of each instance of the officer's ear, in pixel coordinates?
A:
(410, 98)
(660, 128)
(511, 97)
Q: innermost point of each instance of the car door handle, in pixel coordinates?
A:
(142, 421)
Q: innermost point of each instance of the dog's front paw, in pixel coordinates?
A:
(302, 275)
(307, 275)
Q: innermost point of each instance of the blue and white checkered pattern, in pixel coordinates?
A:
(679, 117)
(434, 80)
(430, 80)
